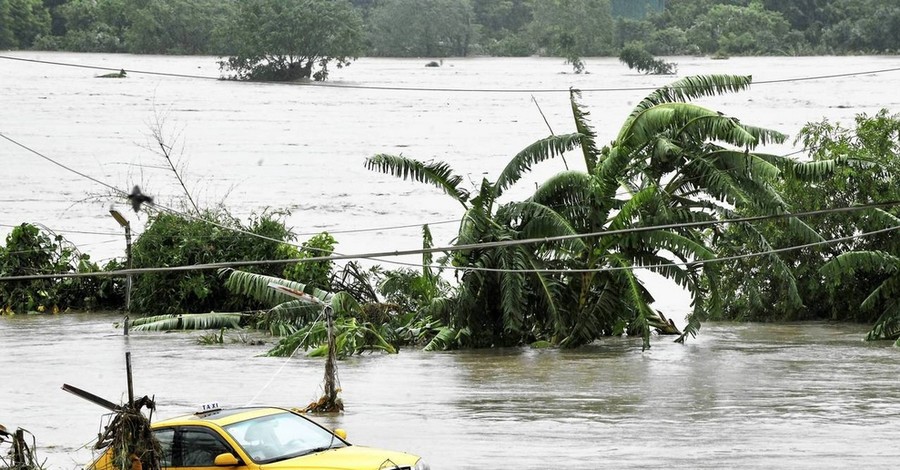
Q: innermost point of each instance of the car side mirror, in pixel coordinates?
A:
(340, 433)
(227, 460)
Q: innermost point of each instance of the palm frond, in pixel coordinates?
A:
(538, 221)
(437, 174)
(344, 305)
(696, 86)
(512, 290)
(744, 164)
(888, 324)
(568, 193)
(537, 152)
(639, 299)
(196, 321)
(287, 317)
(887, 290)
(781, 270)
(631, 210)
(847, 264)
(584, 129)
(257, 286)
(447, 338)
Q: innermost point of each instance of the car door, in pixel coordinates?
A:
(192, 447)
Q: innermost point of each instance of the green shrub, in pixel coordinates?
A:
(30, 250)
(171, 240)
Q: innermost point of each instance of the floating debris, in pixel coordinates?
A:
(20, 455)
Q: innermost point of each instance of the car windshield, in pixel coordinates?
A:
(281, 436)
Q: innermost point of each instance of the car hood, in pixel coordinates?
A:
(346, 458)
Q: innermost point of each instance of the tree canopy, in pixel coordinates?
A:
(439, 28)
(424, 28)
(291, 39)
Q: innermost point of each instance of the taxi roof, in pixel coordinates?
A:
(221, 417)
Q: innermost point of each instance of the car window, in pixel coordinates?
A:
(166, 438)
(198, 447)
(281, 436)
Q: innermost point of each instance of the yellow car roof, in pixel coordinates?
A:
(221, 417)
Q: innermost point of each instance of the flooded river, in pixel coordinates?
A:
(739, 396)
(285, 146)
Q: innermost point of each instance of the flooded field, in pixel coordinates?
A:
(739, 396)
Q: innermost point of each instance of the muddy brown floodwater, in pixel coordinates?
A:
(738, 396)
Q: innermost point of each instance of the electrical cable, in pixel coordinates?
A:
(283, 364)
(179, 213)
(68, 231)
(193, 217)
(67, 168)
(449, 90)
(502, 243)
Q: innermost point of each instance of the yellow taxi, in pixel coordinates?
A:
(263, 439)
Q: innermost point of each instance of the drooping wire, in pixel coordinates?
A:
(184, 214)
(449, 90)
(63, 166)
(283, 364)
(502, 243)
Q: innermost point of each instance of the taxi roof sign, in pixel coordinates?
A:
(208, 408)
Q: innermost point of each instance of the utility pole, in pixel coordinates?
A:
(127, 226)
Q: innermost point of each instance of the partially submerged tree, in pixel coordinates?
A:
(284, 40)
(672, 162)
(635, 56)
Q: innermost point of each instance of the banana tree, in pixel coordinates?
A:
(294, 318)
(502, 298)
(884, 298)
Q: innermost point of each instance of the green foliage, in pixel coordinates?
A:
(573, 28)
(31, 250)
(883, 299)
(21, 22)
(283, 40)
(672, 162)
(93, 26)
(177, 26)
(635, 56)
(171, 240)
(315, 274)
(302, 323)
(196, 321)
(864, 169)
(421, 28)
(351, 337)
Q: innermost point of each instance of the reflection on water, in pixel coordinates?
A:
(745, 396)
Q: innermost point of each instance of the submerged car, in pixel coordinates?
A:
(263, 438)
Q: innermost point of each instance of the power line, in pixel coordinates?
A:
(449, 90)
(694, 263)
(85, 232)
(502, 243)
(381, 229)
(187, 215)
(67, 168)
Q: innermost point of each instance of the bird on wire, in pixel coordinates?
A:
(137, 198)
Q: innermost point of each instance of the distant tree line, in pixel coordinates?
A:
(442, 28)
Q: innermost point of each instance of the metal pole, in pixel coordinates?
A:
(128, 373)
(128, 276)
